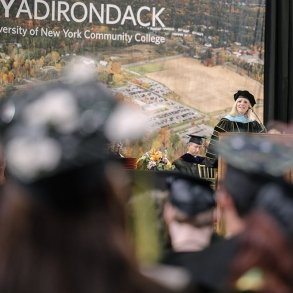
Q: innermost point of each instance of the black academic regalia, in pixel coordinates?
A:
(192, 159)
(225, 125)
(210, 268)
(187, 164)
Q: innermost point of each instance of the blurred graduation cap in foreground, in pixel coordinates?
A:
(55, 136)
(189, 194)
(56, 126)
(276, 199)
(256, 154)
(252, 162)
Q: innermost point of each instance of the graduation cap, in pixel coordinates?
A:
(32, 123)
(252, 161)
(243, 187)
(247, 95)
(275, 199)
(256, 154)
(196, 139)
(189, 194)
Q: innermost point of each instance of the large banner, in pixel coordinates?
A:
(180, 61)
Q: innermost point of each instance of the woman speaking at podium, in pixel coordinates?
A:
(238, 120)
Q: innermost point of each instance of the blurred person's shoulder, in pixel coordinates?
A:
(166, 279)
(210, 268)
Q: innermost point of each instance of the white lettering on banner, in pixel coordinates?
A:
(72, 35)
(18, 30)
(24, 8)
(109, 14)
(36, 10)
(48, 33)
(81, 12)
(7, 7)
(139, 17)
(125, 37)
(148, 38)
(128, 15)
(87, 34)
(61, 11)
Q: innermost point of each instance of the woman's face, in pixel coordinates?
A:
(242, 105)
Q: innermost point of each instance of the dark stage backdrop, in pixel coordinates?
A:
(278, 76)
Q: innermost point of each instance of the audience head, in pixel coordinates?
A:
(62, 211)
(255, 187)
(54, 139)
(251, 162)
(189, 212)
(189, 195)
(276, 200)
(265, 259)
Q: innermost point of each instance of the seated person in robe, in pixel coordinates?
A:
(187, 163)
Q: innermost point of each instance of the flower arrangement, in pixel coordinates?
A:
(154, 160)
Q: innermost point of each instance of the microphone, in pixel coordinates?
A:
(254, 113)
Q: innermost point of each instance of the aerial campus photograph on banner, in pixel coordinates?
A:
(179, 61)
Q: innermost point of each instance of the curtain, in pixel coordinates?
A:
(278, 75)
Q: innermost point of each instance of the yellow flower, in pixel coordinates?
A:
(156, 155)
(154, 160)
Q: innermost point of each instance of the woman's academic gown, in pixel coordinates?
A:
(226, 125)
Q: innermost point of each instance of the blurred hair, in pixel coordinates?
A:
(243, 187)
(47, 250)
(202, 219)
(63, 207)
(263, 246)
(41, 247)
(277, 126)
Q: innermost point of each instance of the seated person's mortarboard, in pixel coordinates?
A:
(190, 195)
(196, 139)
